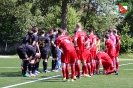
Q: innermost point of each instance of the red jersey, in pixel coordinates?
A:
(110, 48)
(93, 39)
(81, 38)
(64, 43)
(106, 62)
(103, 56)
(69, 55)
(118, 42)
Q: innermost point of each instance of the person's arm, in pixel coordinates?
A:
(75, 41)
(60, 49)
(38, 49)
(52, 41)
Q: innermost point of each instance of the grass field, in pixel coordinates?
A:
(10, 77)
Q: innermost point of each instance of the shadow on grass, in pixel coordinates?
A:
(10, 74)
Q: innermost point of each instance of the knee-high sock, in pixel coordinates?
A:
(84, 69)
(117, 65)
(114, 62)
(31, 68)
(64, 71)
(89, 69)
(72, 71)
(92, 67)
(53, 64)
(77, 66)
(36, 65)
(67, 71)
(25, 65)
(44, 65)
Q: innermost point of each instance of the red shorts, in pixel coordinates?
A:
(69, 57)
(79, 53)
(112, 53)
(93, 55)
(86, 55)
(117, 51)
(107, 64)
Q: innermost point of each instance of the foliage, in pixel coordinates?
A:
(18, 16)
(72, 20)
(53, 18)
(126, 40)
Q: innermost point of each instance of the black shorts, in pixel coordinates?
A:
(21, 52)
(54, 52)
(45, 54)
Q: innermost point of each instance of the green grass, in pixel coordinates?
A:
(129, 56)
(11, 76)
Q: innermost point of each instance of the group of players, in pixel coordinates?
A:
(73, 51)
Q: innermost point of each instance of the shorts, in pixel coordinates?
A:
(68, 57)
(106, 65)
(54, 52)
(79, 53)
(93, 55)
(45, 54)
(21, 52)
(87, 55)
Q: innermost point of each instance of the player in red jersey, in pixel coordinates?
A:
(79, 42)
(93, 49)
(68, 54)
(110, 48)
(117, 47)
(104, 59)
(87, 55)
(112, 36)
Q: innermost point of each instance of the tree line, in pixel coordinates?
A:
(18, 16)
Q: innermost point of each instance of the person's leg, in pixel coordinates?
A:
(117, 65)
(64, 71)
(31, 67)
(55, 58)
(45, 56)
(37, 65)
(84, 67)
(58, 64)
(77, 68)
(67, 71)
(25, 65)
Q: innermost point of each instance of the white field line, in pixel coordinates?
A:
(127, 69)
(3, 57)
(50, 67)
(31, 81)
(47, 78)
(19, 67)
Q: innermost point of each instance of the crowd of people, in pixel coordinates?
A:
(69, 53)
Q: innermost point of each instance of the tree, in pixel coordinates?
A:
(64, 15)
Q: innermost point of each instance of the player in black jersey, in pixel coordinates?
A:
(33, 41)
(44, 45)
(26, 53)
(53, 35)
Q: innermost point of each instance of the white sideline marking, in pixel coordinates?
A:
(127, 69)
(50, 78)
(31, 81)
(20, 67)
(125, 64)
